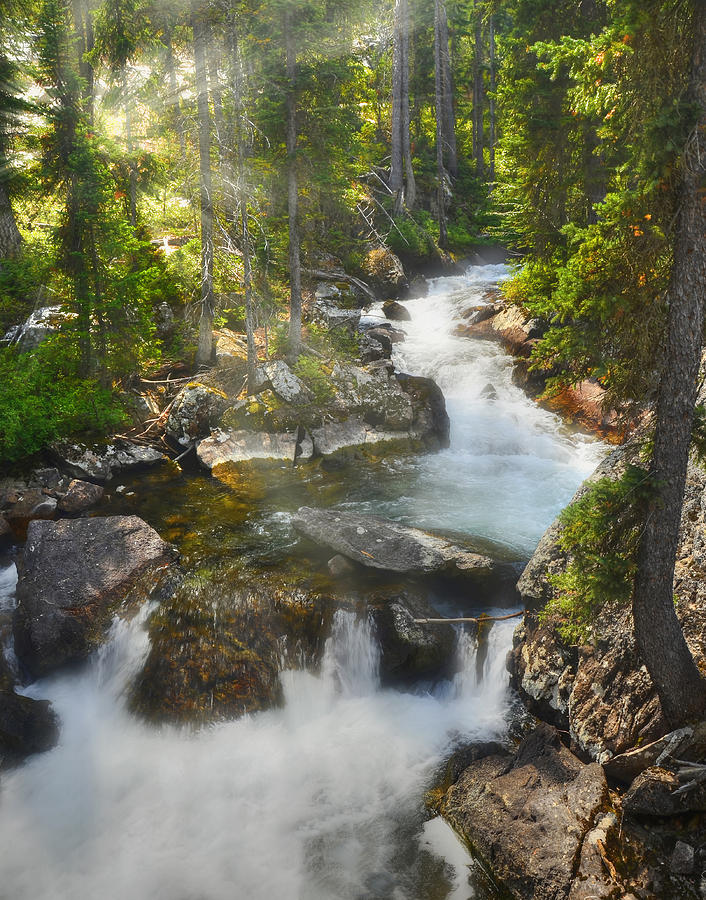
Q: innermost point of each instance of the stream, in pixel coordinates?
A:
(321, 799)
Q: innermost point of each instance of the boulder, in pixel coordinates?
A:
(26, 725)
(683, 859)
(72, 573)
(80, 496)
(382, 544)
(98, 463)
(527, 815)
(395, 311)
(45, 509)
(286, 385)
(196, 409)
(653, 793)
(216, 649)
(409, 651)
(385, 272)
(240, 446)
(40, 325)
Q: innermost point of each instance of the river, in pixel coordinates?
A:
(321, 799)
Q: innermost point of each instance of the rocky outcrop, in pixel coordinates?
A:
(41, 324)
(71, 576)
(45, 494)
(382, 544)
(528, 816)
(196, 409)
(357, 407)
(26, 726)
(602, 693)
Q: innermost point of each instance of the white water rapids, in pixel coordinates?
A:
(321, 799)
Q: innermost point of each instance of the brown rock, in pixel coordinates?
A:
(81, 495)
(527, 816)
(652, 793)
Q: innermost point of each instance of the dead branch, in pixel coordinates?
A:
(479, 620)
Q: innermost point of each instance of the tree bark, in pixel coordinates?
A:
(204, 352)
(439, 107)
(658, 635)
(130, 148)
(173, 101)
(448, 94)
(410, 193)
(492, 136)
(237, 84)
(478, 97)
(396, 182)
(295, 275)
(10, 237)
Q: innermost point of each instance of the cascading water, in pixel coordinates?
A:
(320, 799)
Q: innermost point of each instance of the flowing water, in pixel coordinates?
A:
(321, 799)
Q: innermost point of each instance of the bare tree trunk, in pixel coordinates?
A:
(410, 193)
(396, 182)
(478, 97)
(10, 237)
(295, 276)
(204, 352)
(439, 106)
(177, 121)
(130, 149)
(83, 30)
(448, 93)
(237, 83)
(659, 637)
(491, 39)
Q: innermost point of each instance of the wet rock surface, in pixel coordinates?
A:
(101, 462)
(383, 544)
(71, 574)
(527, 814)
(26, 726)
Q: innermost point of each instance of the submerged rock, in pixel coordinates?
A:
(527, 815)
(71, 574)
(382, 544)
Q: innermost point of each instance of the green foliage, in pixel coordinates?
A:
(414, 236)
(43, 398)
(23, 278)
(316, 377)
(600, 534)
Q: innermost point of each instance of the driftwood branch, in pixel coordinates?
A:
(477, 619)
(341, 276)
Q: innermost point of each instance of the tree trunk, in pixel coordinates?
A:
(410, 193)
(448, 93)
(130, 149)
(237, 84)
(491, 148)
(439, 107)
(83, 29)
(295, 276)
(204, 352)
(659, 637)
(478, 97)
(396, 182)
(10, 237)
(173, 102)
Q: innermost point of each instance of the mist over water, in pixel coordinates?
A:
(321, 799)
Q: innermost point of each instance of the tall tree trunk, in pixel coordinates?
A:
(659, 637)
(204, 352)
(83, 36)
(130, 148)
(10, 238)
(176, 119)
(491, 38)
(478, 98)
(295, 276)
(396, 182)
(410, 193)
(237, 86)
(439, 106)
(448, 93)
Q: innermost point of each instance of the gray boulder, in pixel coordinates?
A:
(526, 815)
(285, 383)
(241, 446)
(100, 462)
(72, 574)
(382, 544)
(26, 726)
(196, 409)
(40, 325)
